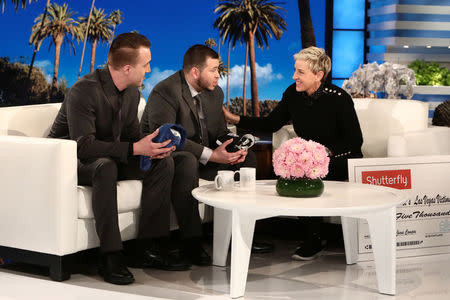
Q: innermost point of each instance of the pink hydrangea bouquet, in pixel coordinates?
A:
(299, 158)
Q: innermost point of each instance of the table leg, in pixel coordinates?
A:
(382, 226)
(222, 235)
(350, 232)
(243, 226)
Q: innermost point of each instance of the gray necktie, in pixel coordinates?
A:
(202, 119)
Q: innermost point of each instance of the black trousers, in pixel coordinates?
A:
(103, 173)
(185, 206)
(187, 172)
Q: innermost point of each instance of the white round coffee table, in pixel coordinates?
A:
(235, 214)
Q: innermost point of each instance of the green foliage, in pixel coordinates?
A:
(430, 73)
(265, 107)
(13, 82)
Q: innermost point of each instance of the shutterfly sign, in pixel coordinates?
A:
(398, 179)
(422, 219)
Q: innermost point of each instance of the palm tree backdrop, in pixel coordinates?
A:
(116, 19)
(306, 26)
(247, 21)
(38, 34)
(100, 30)
(85, 38)
(16, 3)
(210, 42)
(58, 24)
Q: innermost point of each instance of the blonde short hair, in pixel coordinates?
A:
(317, 60)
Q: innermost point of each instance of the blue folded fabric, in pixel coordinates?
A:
(174, 132)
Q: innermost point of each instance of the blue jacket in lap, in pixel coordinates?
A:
(173, 132)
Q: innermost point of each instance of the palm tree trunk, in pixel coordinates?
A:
(245, 81)
(30, 69)
(94, 47)
(37, 44)
(228, 74)
(306, 26)
(254, 84)
(85, 37)
(58, 42)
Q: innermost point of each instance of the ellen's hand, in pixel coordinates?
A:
(230, 117)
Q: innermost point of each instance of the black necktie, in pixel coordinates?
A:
(202, 119)
(119, 117)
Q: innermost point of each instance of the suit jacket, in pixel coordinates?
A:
(102, 120)
(171, 102)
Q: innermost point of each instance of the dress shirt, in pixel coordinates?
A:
(207, 152)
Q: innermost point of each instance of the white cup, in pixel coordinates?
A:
(247, 179)
(224, 180)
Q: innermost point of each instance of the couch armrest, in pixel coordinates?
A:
(38, 194)
(283, 134)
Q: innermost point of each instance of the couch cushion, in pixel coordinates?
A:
(381, 118)
(128, 198)
(431, 141)
(128, 195)
(30, 120)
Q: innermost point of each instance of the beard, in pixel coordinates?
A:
(204, 84)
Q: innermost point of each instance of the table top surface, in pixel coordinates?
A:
(338, 199)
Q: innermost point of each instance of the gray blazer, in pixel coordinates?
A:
(171, 102)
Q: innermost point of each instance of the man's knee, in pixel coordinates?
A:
(105, 170)
(186, 160)
(186, 165)
(162, 167)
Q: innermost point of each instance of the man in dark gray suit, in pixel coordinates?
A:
(192, 98)
(100, 114)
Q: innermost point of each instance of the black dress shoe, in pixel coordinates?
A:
(196, 255)
(164, 260)
(262, 247)
(113, 269)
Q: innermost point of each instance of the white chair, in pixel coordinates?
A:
(45, 217)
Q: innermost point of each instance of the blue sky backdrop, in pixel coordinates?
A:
(172, 27)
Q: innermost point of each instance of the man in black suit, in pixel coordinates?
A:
(192, 98)
(100, 114)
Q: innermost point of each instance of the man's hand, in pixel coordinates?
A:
(241, 158)
(222, 156)
(146, 146)
(230, 117)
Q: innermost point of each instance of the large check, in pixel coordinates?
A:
(423, 222)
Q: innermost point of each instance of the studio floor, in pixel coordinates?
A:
(271, 276)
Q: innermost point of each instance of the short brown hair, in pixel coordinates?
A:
(196, 56)
(124, 49)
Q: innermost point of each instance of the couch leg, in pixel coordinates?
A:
(59, 270)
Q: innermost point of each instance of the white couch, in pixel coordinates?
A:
(379, 119)
(431, 141)
(45, 216)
